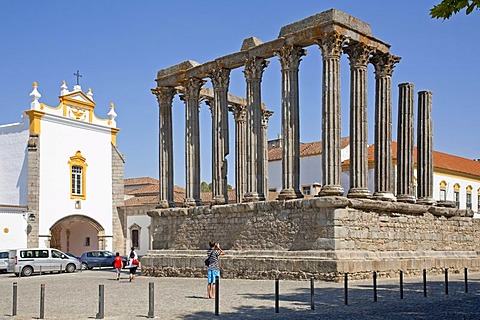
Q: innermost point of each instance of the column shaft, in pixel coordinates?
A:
(359, 57)
(255, 156)
(220, 145)
(266, 114)
(240, 115)
(425, 149)
(405, 143)
(331, 47)
(165, 147)
(290, 57)
(384, 64)
(192, 141)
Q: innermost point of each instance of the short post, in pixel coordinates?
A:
(277, 293)
(465, 272)
(217, 295)
(151, 300)
(374, 286)
(14, 308)
(40, 270)
(446, 280)
(346, 287)
(101, 302)
(424, 282)
(401, 284)
(312, 293)
(42, 301)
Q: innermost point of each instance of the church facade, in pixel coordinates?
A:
(61, 176)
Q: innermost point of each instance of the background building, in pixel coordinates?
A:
(456, 180)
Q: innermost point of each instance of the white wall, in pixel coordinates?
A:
(60, 139)
(13, 232)
(144, 237)
(13, 163)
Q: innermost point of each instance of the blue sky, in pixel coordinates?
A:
(118, 46)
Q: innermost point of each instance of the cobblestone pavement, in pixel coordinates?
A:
(76, 296)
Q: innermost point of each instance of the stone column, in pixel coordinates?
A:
(290, 57)
(425, 149)
(331, 47)
(255, 156)
(405, 139)
(165, 146)
(266, 114)
(220, 146)
(240, 116)
(359, 56)
(384, 64)
(192, 141)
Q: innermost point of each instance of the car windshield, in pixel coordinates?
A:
(108, 254)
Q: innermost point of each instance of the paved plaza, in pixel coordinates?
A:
(75, 296)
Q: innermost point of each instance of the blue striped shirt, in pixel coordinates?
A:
(213, 255)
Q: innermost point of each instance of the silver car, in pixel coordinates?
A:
(3, 261)
(25, 262)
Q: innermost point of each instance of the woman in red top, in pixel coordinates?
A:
(117, 263)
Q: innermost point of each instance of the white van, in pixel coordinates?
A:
(24, 262)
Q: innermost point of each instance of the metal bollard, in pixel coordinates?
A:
(374, 286)
(42, 301)
(424, 282)
(446, 280)
(312, 293)
(14, 307)
(277, 298)
(217, 295)
(151, 300)
(101, 302)
(465, 272)
(401, 284)
(346, 287)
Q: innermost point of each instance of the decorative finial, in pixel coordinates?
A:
(112, 115)
(90, 93)
(35, 96)
(64, 88)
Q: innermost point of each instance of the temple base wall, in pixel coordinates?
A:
(321, 237)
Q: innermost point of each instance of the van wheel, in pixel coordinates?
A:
(27, 271)
(70, 268)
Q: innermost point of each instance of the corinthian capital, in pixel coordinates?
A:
(164, 95)
(220, 78)
(239, 113)
(331, 44)
(290, 56)
(254, 68)
(266, 114)
(359, 54)
(384, 64)
(192, 87)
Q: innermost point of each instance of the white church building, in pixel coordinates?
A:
(61, 176)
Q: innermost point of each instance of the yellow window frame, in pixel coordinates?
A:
(78, 161)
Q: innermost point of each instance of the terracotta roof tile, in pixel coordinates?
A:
(140, 181)
(441, 160)
(307, 149)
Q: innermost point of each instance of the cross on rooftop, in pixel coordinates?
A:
(78, 75)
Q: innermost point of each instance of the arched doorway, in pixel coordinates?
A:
(76, 234)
